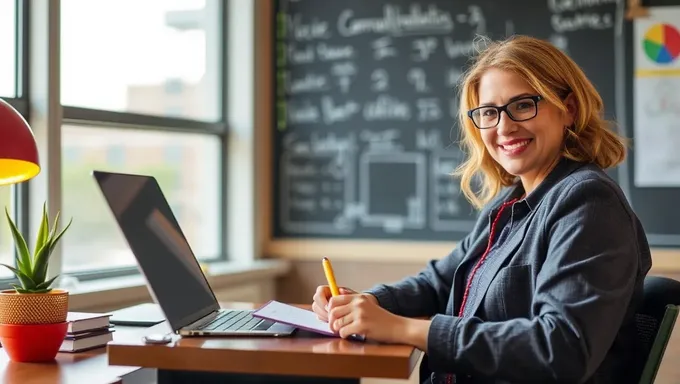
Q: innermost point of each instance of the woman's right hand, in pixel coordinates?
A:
(320, 300)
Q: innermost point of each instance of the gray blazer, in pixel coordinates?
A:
(555, 299)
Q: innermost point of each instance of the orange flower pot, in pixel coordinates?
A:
(32, 342)
(33, 308)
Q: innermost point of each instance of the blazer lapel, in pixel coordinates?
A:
(475, 251)
(472, 255)
(492, 264)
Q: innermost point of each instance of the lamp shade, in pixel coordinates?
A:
(18, 150)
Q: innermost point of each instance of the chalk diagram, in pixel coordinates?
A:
(392, 190)
(445, 194)
(316, 191)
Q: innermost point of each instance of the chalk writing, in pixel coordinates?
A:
(386, 107)
(418, 78)
(575, 5)
(314, 29)
(383, 48)
(582, 21)
(395, 22)
(329, 52)
(336, 112)
(380, 78)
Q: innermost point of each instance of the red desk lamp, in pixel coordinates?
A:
(18, 150)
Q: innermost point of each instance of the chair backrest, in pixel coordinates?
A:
(659, 292)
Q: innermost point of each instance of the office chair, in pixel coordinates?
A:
(654, 321)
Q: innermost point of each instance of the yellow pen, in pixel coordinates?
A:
(330, 277)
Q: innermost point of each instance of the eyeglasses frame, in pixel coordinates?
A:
(500, 109)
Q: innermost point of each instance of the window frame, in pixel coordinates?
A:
(95, 118)
(20, 192)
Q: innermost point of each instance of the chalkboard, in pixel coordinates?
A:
(366, 136)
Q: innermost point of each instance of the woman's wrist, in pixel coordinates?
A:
(415, 332)
(372, 298)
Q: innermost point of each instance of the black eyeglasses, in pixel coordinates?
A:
(522, 109)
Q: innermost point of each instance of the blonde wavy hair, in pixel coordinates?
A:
(553, 75)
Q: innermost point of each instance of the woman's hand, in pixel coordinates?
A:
(354, 313)
(360, 314)
(321, 297)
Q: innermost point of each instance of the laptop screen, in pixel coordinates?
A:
(163, 254)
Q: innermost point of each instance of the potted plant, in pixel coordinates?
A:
(33, 314)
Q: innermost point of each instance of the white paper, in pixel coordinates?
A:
(657, 102)
(295, 316)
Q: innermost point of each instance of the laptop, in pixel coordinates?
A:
(173, 275)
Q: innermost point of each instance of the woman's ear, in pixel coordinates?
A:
(572, 109)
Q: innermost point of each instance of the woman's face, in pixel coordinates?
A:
(529, 148)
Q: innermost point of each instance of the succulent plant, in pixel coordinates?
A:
(31, 268)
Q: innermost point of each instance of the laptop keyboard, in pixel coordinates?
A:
(236, 321)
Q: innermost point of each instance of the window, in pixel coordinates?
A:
(142, 56)
(143, 97)
(192, 187)
(141, 87)
(8, 47)
(6, 240)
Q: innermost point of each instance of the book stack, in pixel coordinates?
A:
(86, 331)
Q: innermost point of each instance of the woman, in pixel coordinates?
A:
(545, 287)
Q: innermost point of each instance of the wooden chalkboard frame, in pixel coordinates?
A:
(666, 260)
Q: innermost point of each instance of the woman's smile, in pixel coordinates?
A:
(515, 147)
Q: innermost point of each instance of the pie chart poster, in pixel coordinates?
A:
(656, 98)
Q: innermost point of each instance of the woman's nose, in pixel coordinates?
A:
(505, 125)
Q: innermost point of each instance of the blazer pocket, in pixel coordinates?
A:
(513, 291)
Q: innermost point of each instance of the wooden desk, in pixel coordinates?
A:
(303, 354)
(69, 368)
